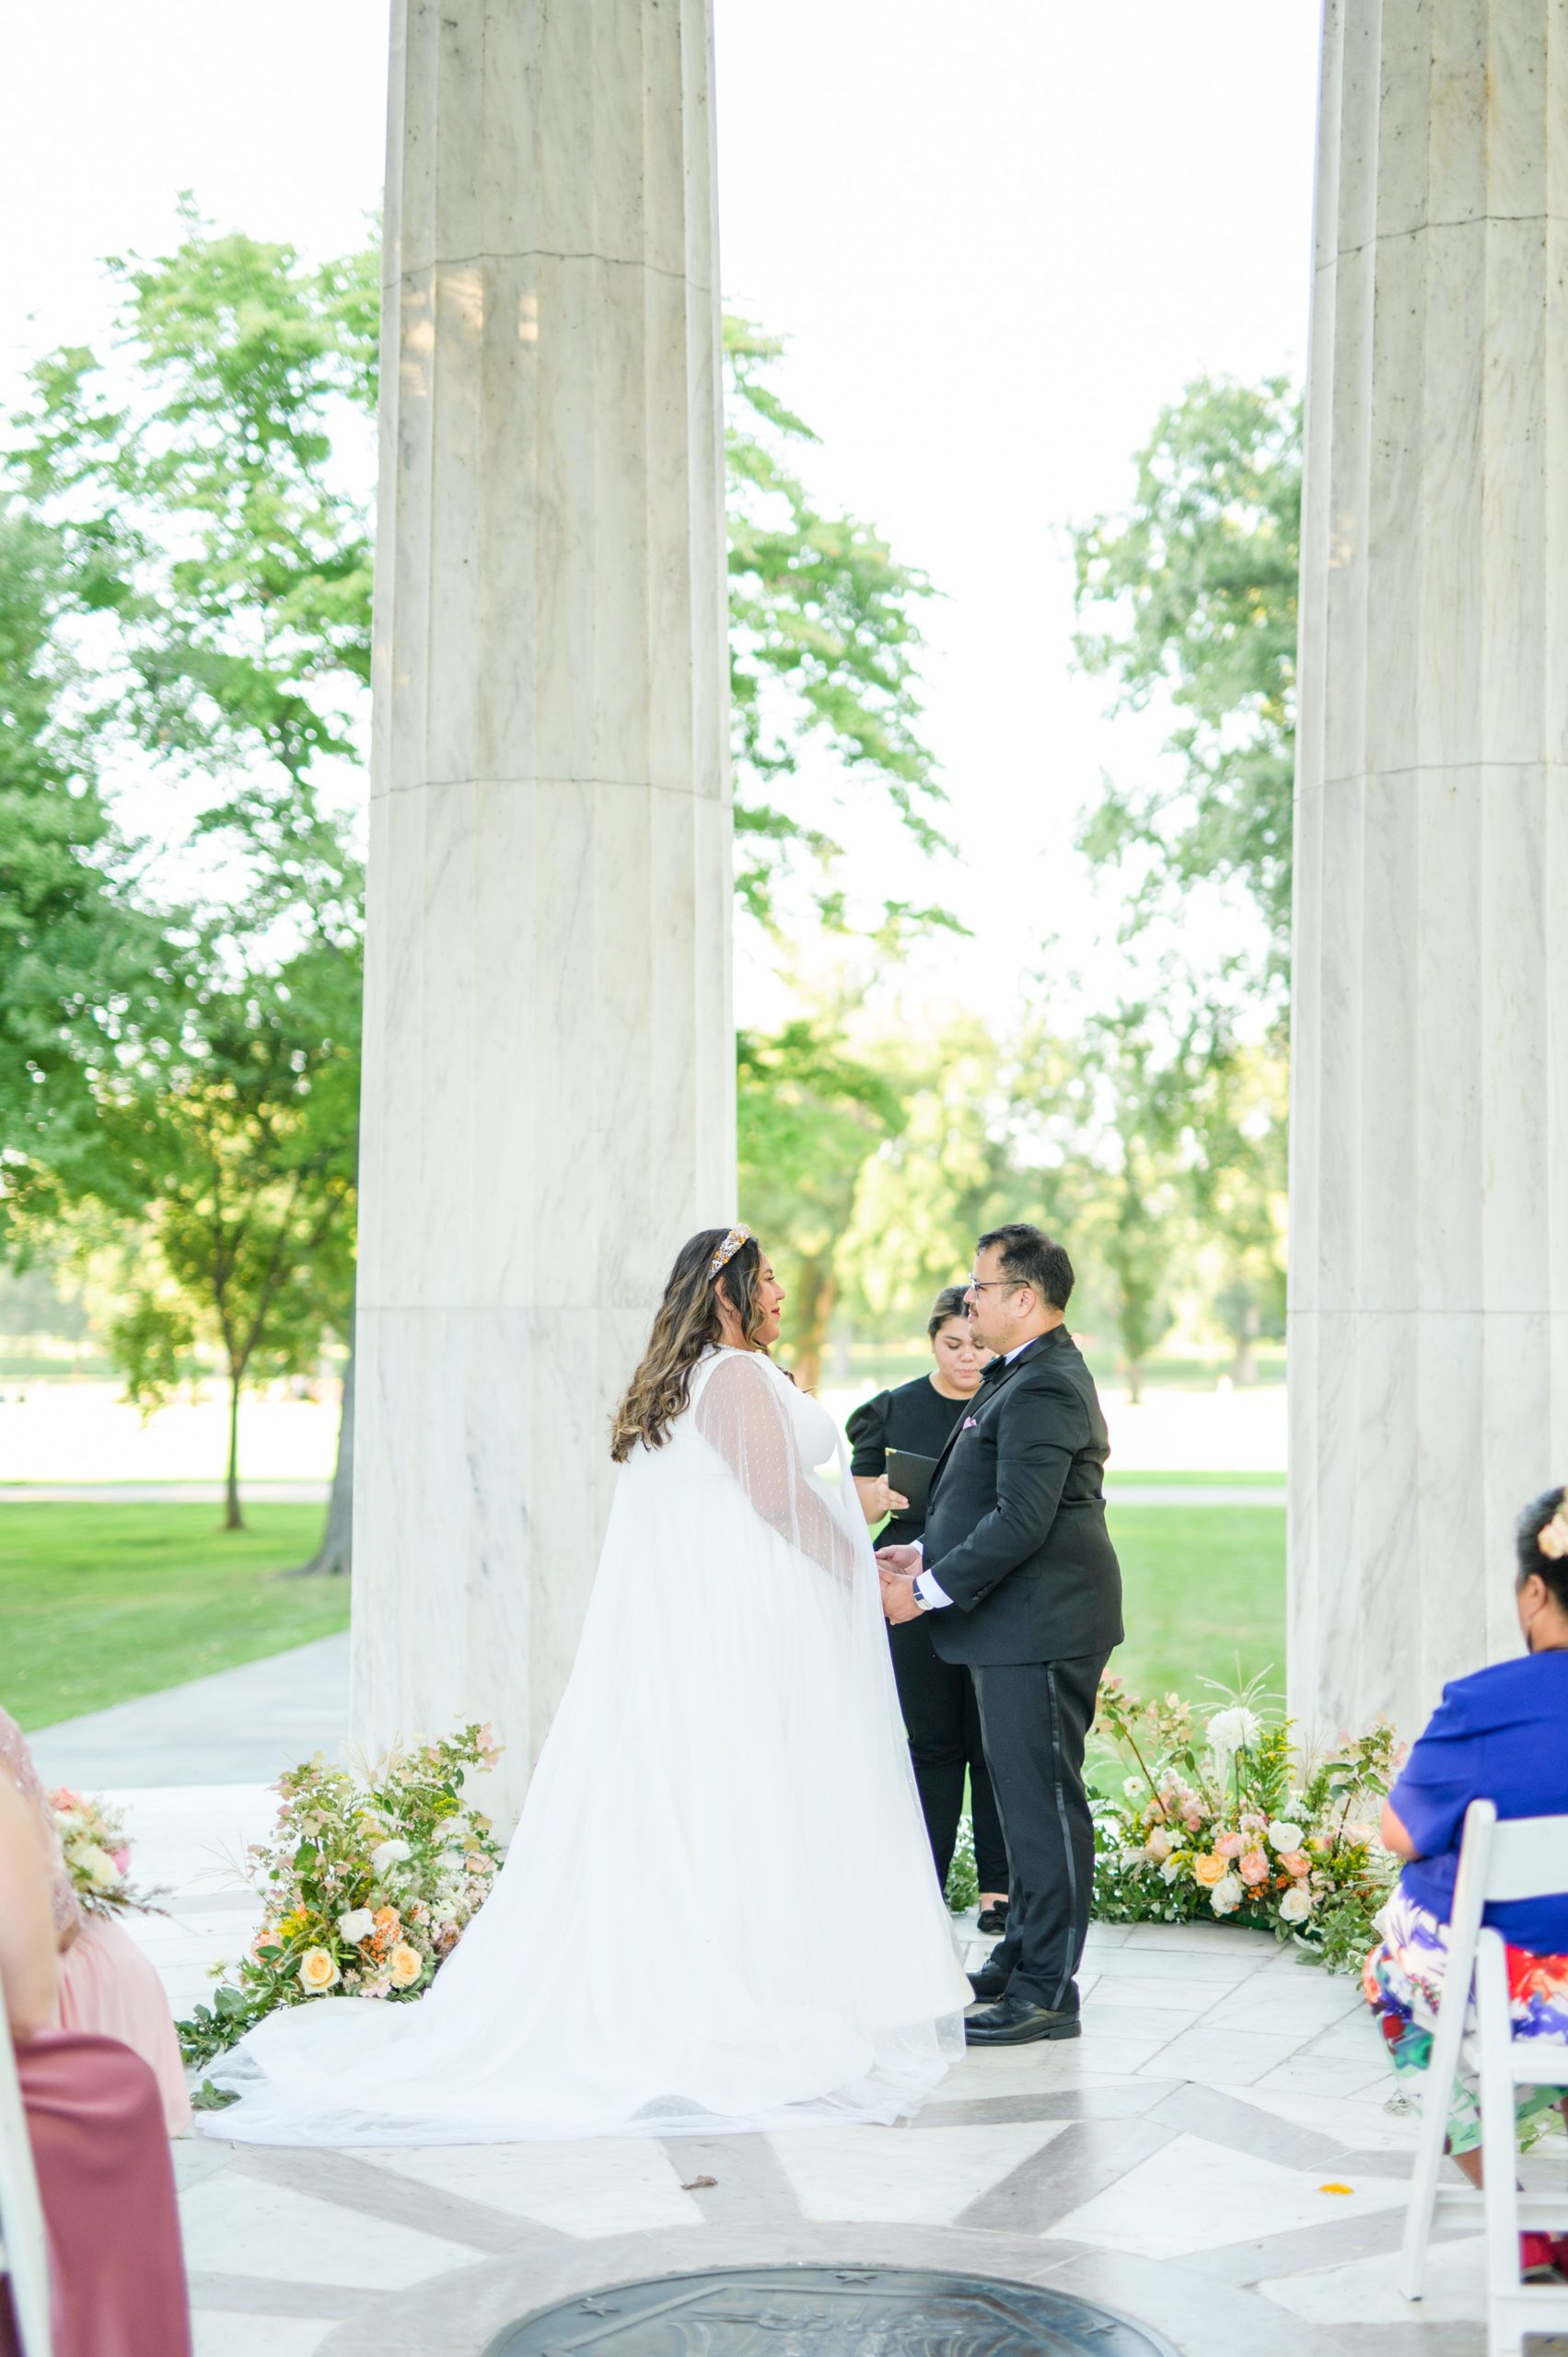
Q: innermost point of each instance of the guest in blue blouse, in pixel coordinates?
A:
(1500, 1735)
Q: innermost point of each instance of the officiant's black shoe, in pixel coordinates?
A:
(1018, 2021)
(993, 1919)
(989, 1983)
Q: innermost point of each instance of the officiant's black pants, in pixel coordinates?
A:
(1035, 1717)
(942, 1720)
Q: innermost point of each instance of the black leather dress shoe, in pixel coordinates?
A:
(993, 1919)
(1018, 2021)
(989, 1983)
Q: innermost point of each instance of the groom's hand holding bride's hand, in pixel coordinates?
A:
(897, 1567)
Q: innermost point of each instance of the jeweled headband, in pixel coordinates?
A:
(737, 1235)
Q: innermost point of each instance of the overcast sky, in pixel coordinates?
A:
(998, 239)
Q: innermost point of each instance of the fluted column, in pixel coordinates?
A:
(1429, 1309)
(549, 1050)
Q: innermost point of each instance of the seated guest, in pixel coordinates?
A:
(1496, 1736)
(107, 1985)
(98, 2145)
(936, 1697)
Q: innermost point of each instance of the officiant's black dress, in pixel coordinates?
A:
(936, 1697)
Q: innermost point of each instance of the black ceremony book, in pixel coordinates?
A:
(911, 1476)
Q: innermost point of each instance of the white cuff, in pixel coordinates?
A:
(933, 1595)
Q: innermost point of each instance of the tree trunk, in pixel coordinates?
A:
(1134, 1382)
(232, 1518)
(334, 1557)
(815, 1297)
(1244, 1365)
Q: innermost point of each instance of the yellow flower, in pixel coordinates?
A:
(1209, 1870)
(404, 1966)
(318, 1970)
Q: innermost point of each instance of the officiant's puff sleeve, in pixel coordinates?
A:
(741, 1413)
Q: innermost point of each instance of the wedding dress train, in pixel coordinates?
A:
(718, 1910)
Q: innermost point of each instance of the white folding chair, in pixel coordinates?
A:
(1525, 1857)
(24, 2247)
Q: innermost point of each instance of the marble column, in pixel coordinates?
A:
(1429, 1310)
(549, 1084)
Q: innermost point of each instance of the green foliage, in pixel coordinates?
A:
(79, 958)
(1222, 1820)
(368, 1886)
(1197, 580)
(963, 1877)
(808, 1115)
(823, 643)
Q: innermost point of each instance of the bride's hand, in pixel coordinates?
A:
(904, 1561)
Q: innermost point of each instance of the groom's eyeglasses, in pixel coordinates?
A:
(985, 1284)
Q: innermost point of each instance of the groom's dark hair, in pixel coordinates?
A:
(1029, 1258)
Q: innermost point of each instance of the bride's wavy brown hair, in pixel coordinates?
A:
(686, 1324)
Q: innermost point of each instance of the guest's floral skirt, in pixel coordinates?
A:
(1403, 1983)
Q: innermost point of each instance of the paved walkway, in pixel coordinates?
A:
(239, 1726)
(1215, 2155)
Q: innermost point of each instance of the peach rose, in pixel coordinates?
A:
(318, 1970)
(1192, 1817)
(1209, 1870)
(1296, 1862)
(1229, 1845)
(1254, 1868)
(1158, 1844)
(404, 1966)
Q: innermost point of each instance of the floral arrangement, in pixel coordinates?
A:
(97, 1855)
(963, 1879)
(368, 1882)
(1223, 1820)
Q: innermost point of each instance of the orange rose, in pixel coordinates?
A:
(1209, 1870)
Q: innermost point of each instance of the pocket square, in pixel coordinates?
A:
(970, 1422)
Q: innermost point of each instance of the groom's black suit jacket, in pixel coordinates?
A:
(1014, 1530)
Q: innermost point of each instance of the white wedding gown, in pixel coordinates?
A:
(718, 1910)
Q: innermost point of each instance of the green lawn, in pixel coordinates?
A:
(1186, 1480)
(99, 1603)
(1206, 1590)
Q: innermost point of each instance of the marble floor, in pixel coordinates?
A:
(1216, 2155)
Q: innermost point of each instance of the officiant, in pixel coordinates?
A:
(937, 1698)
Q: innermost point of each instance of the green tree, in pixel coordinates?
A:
(79, 956)
(949, 1172)
(1196, 584)
(823, 643)
(809, 1114)
(202, 504)
(238, 1136)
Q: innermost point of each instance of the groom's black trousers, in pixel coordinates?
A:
(1035, 1718)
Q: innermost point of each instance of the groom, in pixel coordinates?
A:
(1022, 1583)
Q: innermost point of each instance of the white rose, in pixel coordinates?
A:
(1227, 1896)
(1157, 1843)
(1127, 1860)
(1234, 1730)
(1170, 1869)
(1297, 1905)
(356, 1925)
(98, 1865)
(1283, 1836)
(388, 1854)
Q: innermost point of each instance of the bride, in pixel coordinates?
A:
(726, 1779)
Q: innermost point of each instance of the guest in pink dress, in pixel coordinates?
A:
(95, 2125)
(107, 1987)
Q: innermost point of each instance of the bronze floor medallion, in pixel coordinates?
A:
(825, 2311)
